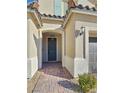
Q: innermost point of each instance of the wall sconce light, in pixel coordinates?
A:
(82, 29)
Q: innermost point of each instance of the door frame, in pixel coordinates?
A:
(56, 49)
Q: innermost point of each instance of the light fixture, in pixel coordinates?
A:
(82, 29)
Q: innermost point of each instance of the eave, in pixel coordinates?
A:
(34, 16)
(80, 11)
(52, 20)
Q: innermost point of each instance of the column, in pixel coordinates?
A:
(63, 57)
(40, 49)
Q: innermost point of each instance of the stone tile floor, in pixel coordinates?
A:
(55, 79)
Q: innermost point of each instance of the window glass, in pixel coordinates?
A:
(93, 39)
(57, 7)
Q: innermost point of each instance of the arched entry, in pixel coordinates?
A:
(53, 46)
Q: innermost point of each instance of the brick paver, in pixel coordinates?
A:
(55, 79)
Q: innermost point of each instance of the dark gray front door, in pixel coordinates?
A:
(51, 49)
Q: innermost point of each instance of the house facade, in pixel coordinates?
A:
(62, 31)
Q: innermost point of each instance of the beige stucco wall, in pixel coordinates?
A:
(70, 39)
(32, 60)
(69, 46)
(74, 60)
(45, 46)
(87, 21)
(32, 36)
(78, 48)
(81, 54)
(90, 23)
(46, 6)
(85, 18)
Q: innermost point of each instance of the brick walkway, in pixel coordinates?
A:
(55, 79)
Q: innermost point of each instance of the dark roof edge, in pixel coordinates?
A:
(52, 16)
(72, 10)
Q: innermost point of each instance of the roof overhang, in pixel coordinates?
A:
(52, 20)
(48, 26)
(34, 16)
(83, 12)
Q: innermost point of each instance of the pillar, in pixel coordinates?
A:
(63, 58)
(40, 49)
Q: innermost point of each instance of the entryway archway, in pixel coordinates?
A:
(52, 46)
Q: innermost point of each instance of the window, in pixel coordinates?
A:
(57, 7)
(93, 39)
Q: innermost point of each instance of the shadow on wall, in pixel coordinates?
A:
(37, 43)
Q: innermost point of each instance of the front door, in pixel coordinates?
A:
(51, 49)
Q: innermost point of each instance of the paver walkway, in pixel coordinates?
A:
(55, 79)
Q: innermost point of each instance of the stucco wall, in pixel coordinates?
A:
(45, 46)
(81, 64)
(85, 18)
(46, 6)
(70, 38)
(32, 61)
(32, 36)
(74, 48)
(69, 64)
(81, 53)
(69, 46)
(79, 46)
